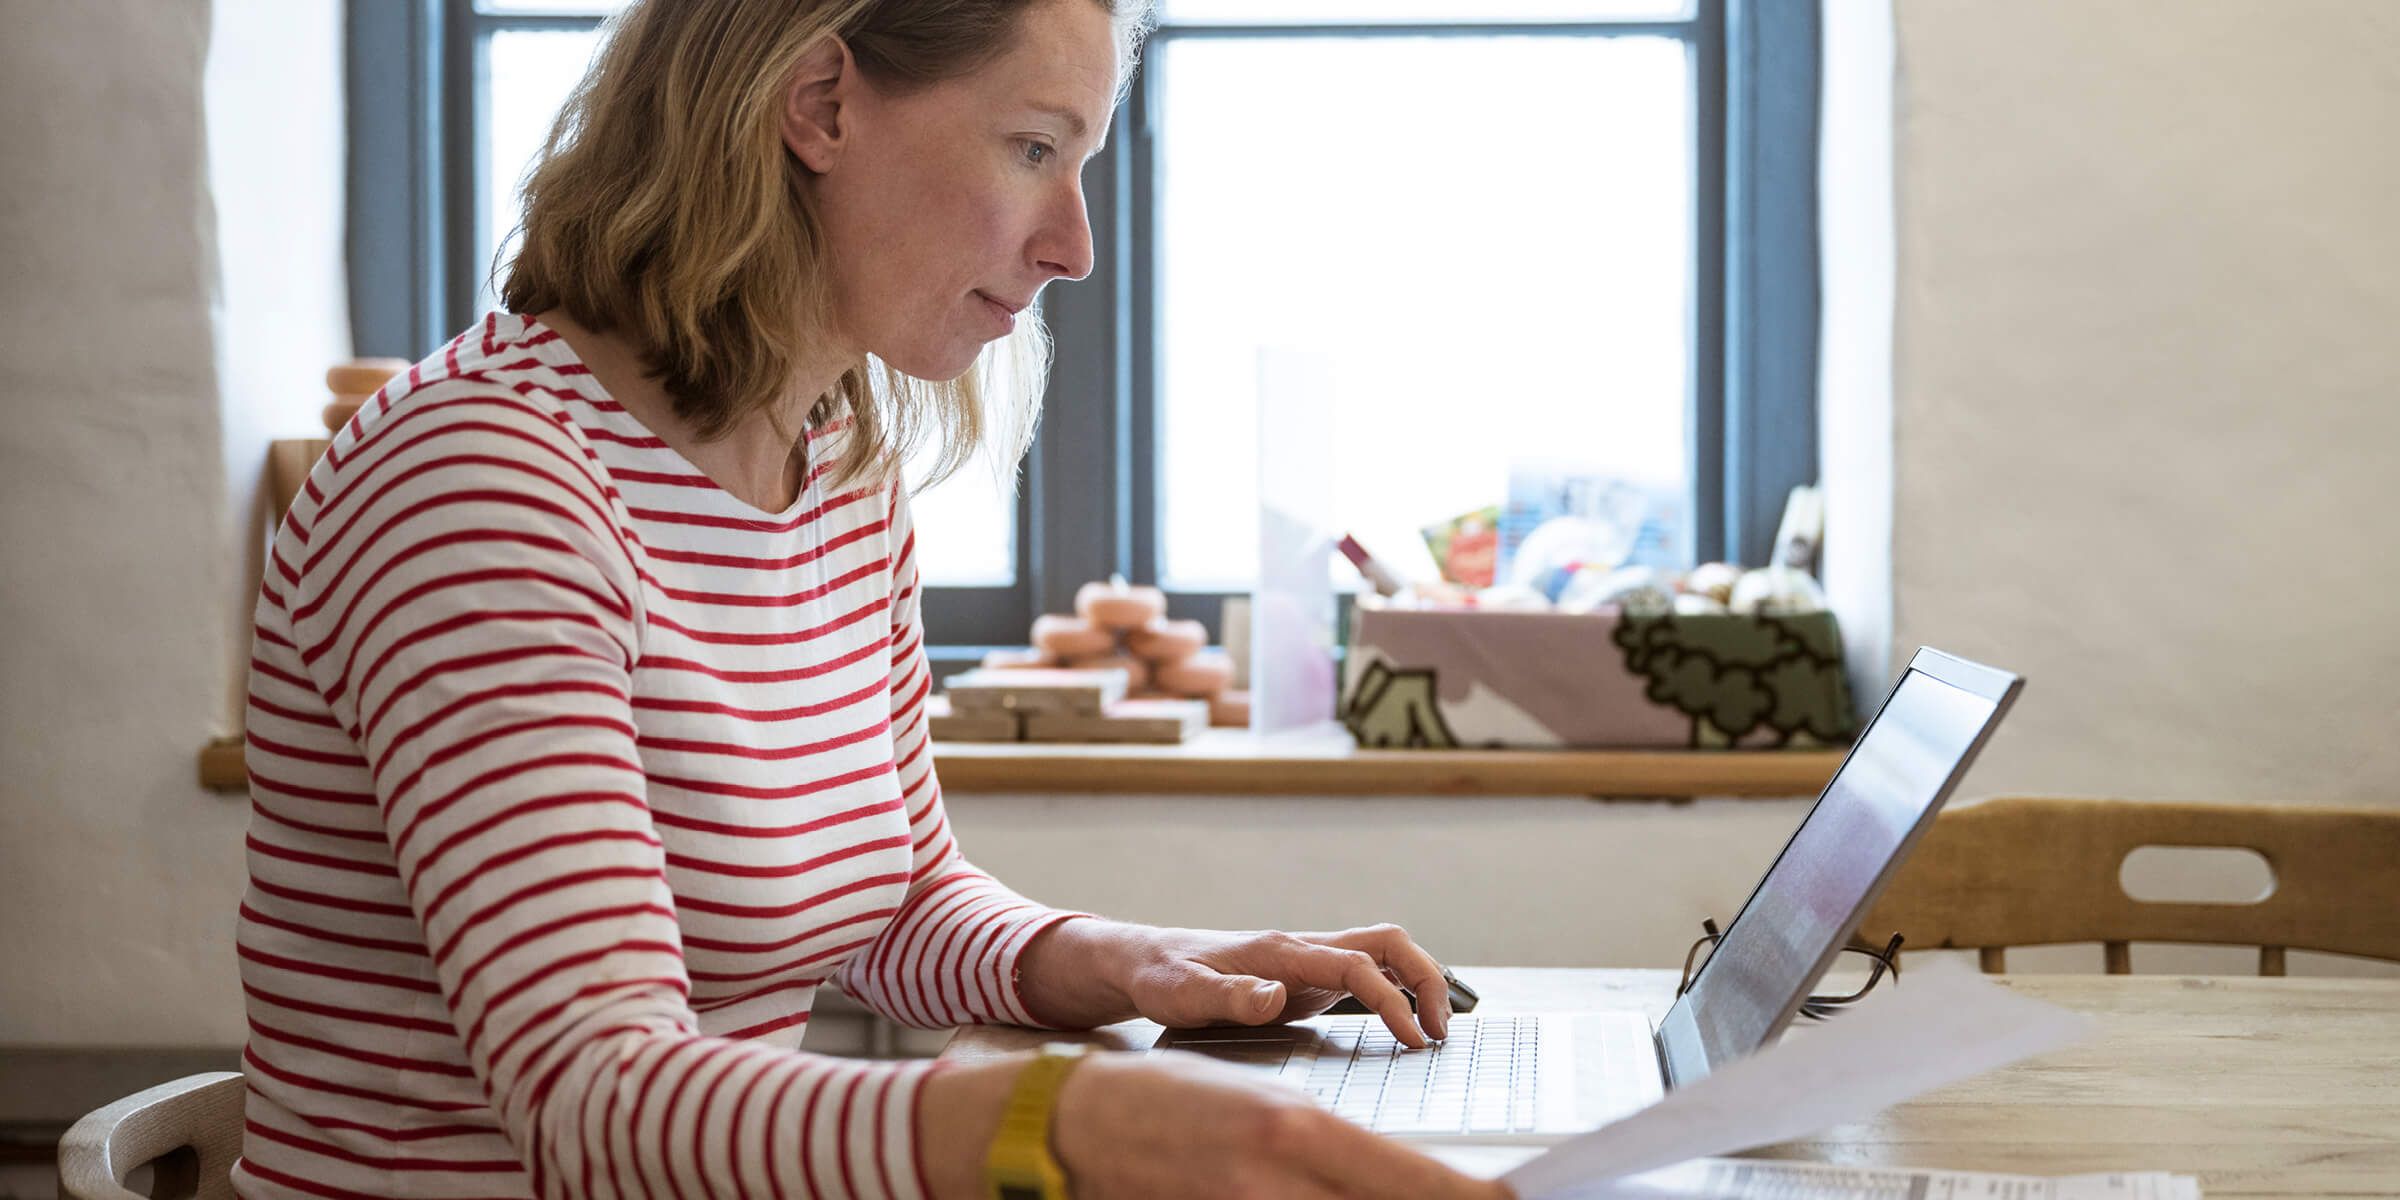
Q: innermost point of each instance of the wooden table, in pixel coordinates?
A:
(2260, 1087)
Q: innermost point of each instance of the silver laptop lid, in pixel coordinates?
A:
(1788, 932)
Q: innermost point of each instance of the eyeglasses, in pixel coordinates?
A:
(1815, 1008)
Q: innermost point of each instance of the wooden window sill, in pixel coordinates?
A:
(1322, 763)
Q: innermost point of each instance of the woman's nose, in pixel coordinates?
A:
(1064, 248)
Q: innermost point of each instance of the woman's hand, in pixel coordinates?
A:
(1167, 1126)
(1090, 972)
(1176, 1125)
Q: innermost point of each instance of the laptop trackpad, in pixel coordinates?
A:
(1268, 1049)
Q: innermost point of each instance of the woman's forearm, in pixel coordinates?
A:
(1077, 974)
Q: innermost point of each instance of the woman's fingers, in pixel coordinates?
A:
(1338, 969)
(1393, 948)
(1257, 978)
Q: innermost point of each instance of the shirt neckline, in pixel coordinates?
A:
(554, 351)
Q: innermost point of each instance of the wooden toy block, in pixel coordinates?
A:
(1022, 691)
(949, 725)
(1149, 721)
(1013, 659)
(1137, 672)
(1165, 641)
(1118, 606)
(1064, 637)
(1200, 676)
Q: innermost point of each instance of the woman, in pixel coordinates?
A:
(587, 722)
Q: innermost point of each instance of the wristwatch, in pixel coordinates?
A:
(1019, 1165)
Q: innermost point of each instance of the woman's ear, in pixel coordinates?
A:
(817, 104)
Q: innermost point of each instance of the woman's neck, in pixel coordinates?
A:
(752, 461)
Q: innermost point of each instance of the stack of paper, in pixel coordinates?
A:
(1946, 1025)
(1753, 1179)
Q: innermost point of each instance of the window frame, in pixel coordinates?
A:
(415, 142)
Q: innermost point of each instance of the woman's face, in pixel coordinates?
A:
(948, 207)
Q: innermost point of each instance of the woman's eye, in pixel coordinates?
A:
(1037, 153)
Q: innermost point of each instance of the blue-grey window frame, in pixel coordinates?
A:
(1087, 506)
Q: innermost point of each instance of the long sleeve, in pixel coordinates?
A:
(950, 955)
(470, 610)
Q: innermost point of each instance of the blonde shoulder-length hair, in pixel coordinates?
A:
(665, 209)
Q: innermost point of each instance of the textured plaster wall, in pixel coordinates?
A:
(2147, 388)
(140, 384)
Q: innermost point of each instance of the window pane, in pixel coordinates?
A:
(526, 77)
(967, 526)
(1390, 12)
(551, 8)
(1488, 239)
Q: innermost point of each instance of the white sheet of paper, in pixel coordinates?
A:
(1946, 1023)
(1755, 1179)
(1742, 1179)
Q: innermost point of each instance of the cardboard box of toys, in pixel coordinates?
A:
(1466, 678)
(1564, 635)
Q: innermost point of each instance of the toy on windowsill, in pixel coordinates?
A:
(353, 383)
(1174, 683)
(1025, 692)
(1118, 606)
(1777, 592)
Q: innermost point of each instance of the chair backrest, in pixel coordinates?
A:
(2025, 871)
(188, 1132)
(288, 463)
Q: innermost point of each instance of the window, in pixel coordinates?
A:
(1391, 205)
(1483, 230)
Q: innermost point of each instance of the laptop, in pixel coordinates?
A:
(1546, 1076)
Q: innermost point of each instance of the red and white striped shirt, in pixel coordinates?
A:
(572, 777)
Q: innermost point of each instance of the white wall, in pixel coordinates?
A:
(2148, 386)
(1537, 881)
(2143, 387)
(134, 435)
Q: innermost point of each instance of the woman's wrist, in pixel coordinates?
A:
(1078, 974)
(958, 1111)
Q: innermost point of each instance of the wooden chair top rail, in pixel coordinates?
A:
(188, 1132)
(2020, 871)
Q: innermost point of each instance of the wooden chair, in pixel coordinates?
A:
(288, 463)
(187, 1132)
(2026, 871)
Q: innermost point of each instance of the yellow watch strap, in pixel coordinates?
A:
(1019, 1165)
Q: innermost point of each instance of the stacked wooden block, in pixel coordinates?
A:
(1059, 706)
(352, 383)
(1117, 671)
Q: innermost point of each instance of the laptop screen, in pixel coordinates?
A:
(1812, 898)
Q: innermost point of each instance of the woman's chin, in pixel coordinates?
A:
(934, 365)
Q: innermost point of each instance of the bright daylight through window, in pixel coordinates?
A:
(1478, 229)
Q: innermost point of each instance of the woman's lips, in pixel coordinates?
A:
(1006, 315)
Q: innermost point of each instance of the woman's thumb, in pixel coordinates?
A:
(1250, 1000)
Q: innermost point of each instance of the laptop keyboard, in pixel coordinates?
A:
(1478, 1080)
